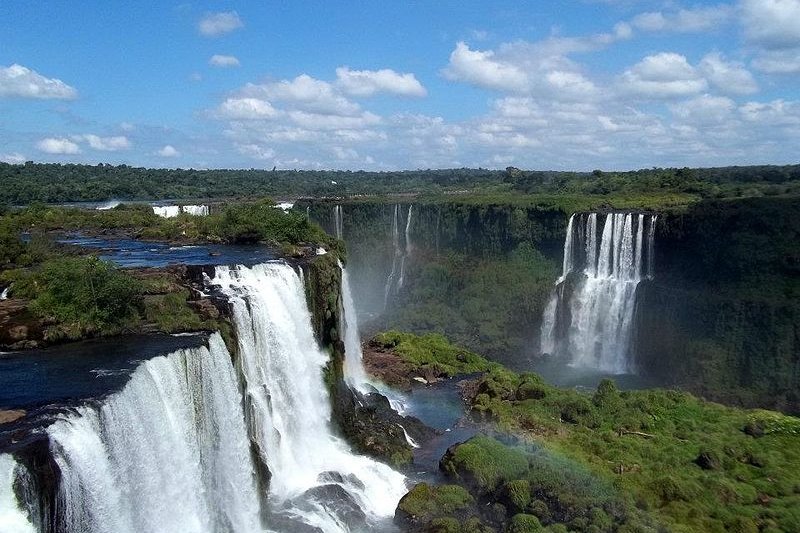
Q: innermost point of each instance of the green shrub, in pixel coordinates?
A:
(524, 523)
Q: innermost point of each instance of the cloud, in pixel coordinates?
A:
(216, 24)
(772, 28)
(245, 109)
(370, 82)
(484, 70)
(14, 158)
(58, 146)
(773, 24)
(705, 109)
(17, 81)
(728, 77)
(168, 151)
(304, 93)
(105, 144)
(694, 20)
(663, 75)
(223, 61)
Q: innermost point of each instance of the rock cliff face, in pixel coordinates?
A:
(720, 316)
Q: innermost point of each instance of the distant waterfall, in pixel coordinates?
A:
(338, 222)
(316, 479)
(590, 321)
(396, 277)
(169, 452)
(196, 210)
(13, 518)
(167, 211)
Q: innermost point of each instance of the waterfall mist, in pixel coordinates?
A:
(589, 317)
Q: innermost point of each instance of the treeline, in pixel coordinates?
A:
(56, 183)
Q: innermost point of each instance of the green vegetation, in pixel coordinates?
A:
(235, 223)
(602, 461)
(483, 303)
(432, 354)
(33, 182)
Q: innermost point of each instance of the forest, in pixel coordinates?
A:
(58, 183)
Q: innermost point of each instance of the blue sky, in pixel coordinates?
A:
(571, 84)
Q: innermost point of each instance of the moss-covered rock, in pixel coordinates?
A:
(483, 463)
(424, 503)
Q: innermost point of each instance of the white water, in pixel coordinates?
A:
(287, 404)
(169, 452)
(338, 222)
(196, 210)
(396, 277)
(4, 294)
(111, 204)
(354, 373)
(599, 312)
(13, 519)
(167, 211)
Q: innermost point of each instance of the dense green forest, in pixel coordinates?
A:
(54, 183)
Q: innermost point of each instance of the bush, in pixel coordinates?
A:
(524, 523)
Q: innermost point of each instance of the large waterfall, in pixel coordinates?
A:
(315, 478)
(589, 317)
(169, 452)
(338, 222)
(13, 518)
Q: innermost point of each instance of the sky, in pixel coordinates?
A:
(387, 85)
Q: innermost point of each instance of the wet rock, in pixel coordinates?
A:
(11, 415)
(337, 501)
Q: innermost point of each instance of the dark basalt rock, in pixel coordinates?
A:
(337, 501)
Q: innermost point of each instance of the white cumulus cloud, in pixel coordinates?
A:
(168, 151)
(727, 76)
(216, 24)
(105, 144)
(17, 81)
(663, 75)
(482, 68)
(772, 23)
(245, 109)
(370, 82)
(223, 61)
(684, 20)
(58, 146)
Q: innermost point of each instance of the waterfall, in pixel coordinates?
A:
(591, 321)
(4, 294)
(288, 408)
(396, 277)
(354, 373)
(196, 210)
(167, 211)
(105, 206)
(169, 452)
(13, 518)
(338, 222)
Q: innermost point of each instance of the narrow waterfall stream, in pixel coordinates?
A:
(315, 478)
(396, 276)
(169, 452)
(589, 319)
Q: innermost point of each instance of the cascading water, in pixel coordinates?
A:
(354, 373)
(338, 222)
(169, 452)
(591, 321)
(288, 409)
(196, 210)
(167, 211)
(13, 518)
(396, 277)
